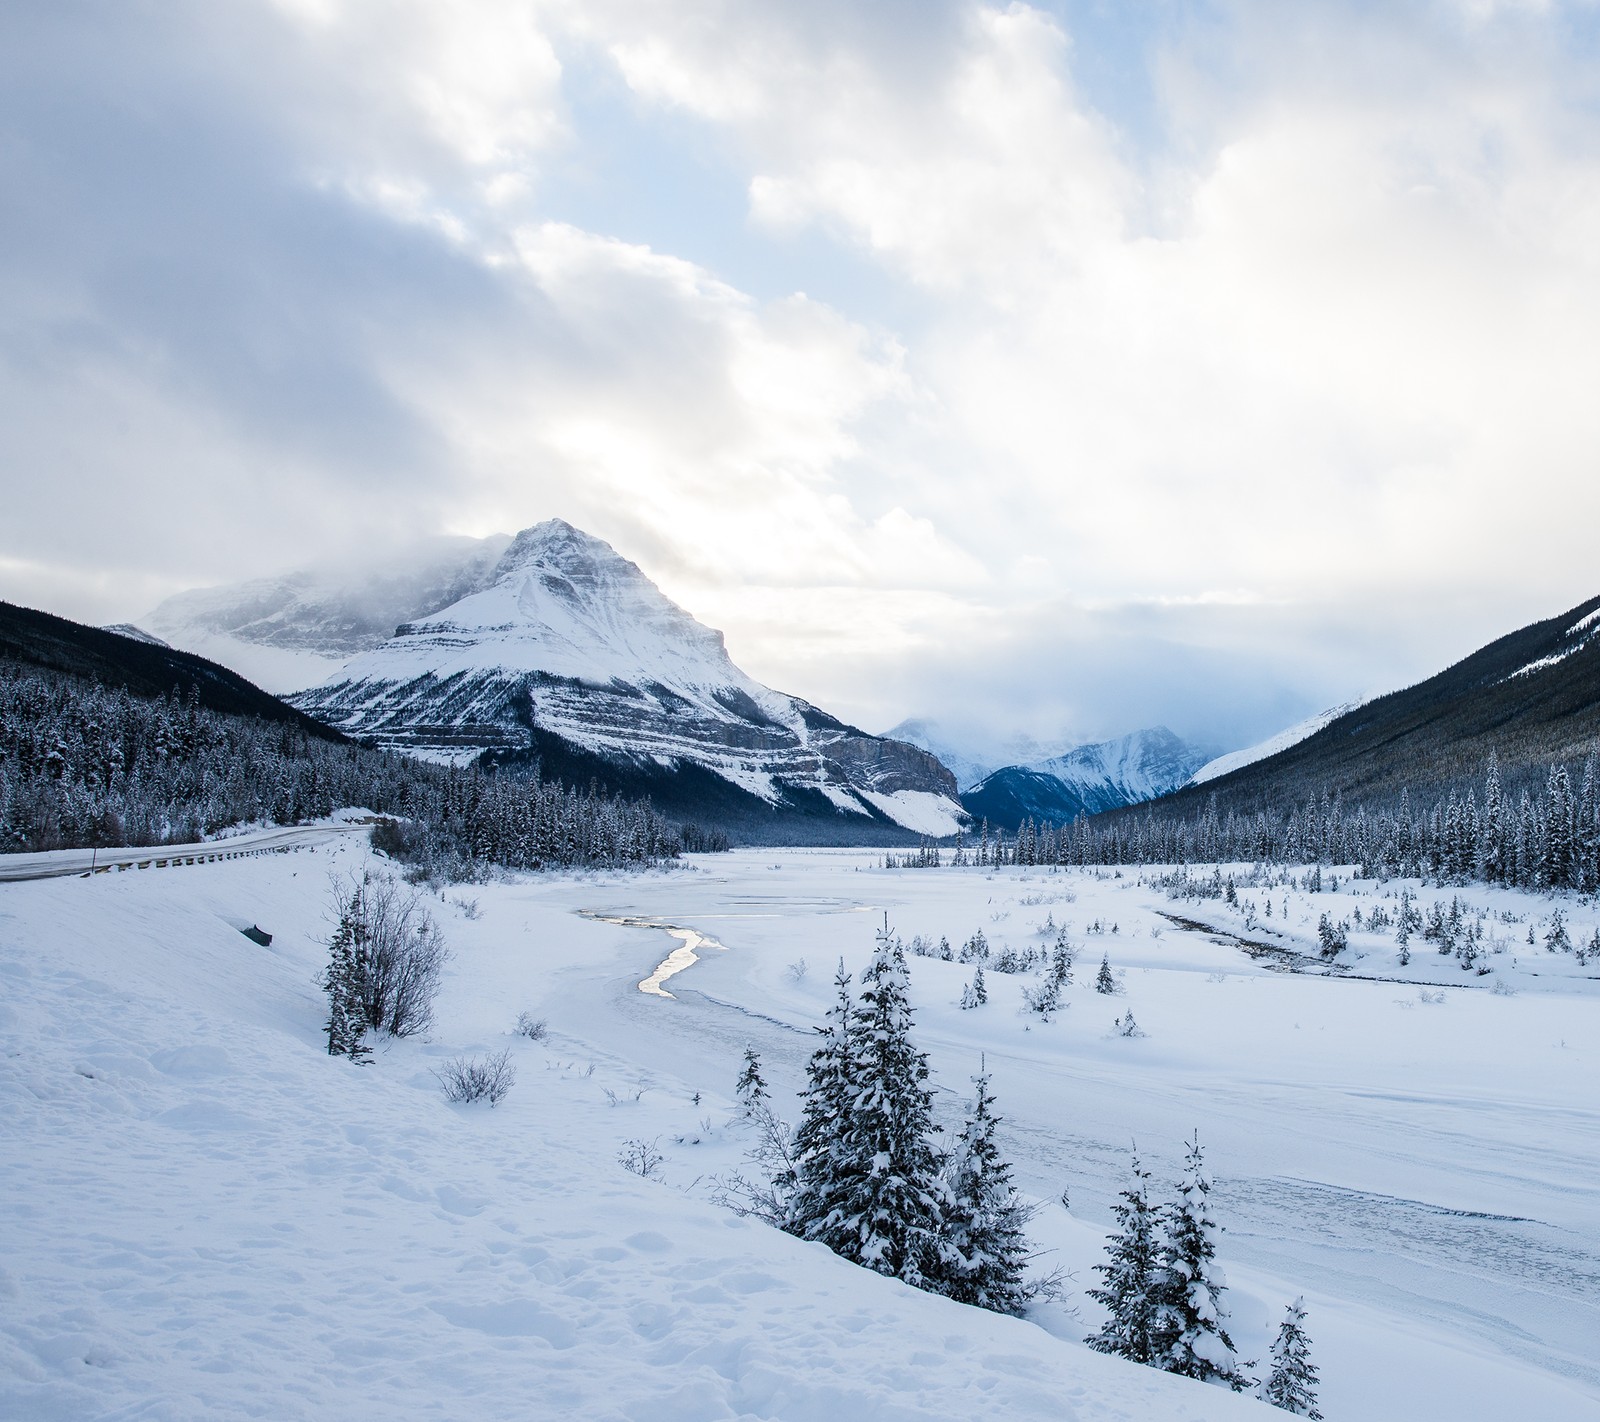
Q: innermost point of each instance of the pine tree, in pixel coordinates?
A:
(1558, 860)
(1292, 1382)
(985, 1250)
(751, 1088)
(882, 1190)
(342, 981)
(1188, 1333)
(1104, 982)
(1128, 1276)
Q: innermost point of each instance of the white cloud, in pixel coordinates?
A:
(1324, 342)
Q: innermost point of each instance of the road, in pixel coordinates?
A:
(60, 863)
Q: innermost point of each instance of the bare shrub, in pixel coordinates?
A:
(533, 1028)
(796, 971)
(467, 1079)
(642, 1158)
(399, 952)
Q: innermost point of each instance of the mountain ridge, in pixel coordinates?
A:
(1531, 696)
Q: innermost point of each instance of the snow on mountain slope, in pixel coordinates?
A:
(568, 639)
(293, 631)
(127, 629)
(1131, 769)
(1576, 638)
(1291, 736)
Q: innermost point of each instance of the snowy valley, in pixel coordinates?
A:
(209, 1216)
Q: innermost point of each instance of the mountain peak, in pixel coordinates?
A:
(556, 545)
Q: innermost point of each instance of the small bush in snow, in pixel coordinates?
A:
(1045, 1000)
(796, 971)
(1501, 988)
(531, 1027)
(642, 1158)
(466, 1079)
(1127, 1027)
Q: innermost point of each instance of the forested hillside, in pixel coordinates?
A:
(1531, 698)
(83, 764)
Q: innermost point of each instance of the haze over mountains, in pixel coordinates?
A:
(289, 632)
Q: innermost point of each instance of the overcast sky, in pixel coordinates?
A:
(1067, 367)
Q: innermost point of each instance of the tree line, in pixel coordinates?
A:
(1544, 841)
(83, 764)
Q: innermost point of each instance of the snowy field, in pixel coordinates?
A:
(204, 1216)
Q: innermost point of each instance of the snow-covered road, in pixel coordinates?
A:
(62, 863)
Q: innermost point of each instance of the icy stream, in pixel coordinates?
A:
(685, 955)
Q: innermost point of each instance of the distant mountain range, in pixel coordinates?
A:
(1532, 697)
(1087, 780)
(551, 646)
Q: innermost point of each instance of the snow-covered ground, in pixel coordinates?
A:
(203, 1216)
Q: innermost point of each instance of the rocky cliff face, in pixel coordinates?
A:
(570, 652)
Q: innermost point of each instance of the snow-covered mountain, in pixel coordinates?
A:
(1087, 780)
(289, 632)
(971, 754)
(569, 652)
(1290, 736)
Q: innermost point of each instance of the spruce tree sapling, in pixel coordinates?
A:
(751, 1088)
(1292, 1383)
(1104, 982)
(1128, 1276)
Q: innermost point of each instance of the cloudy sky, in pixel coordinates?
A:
(1066, 366)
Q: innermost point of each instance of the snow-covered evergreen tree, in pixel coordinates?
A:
(751, 1088)
(1292, 1383)
(1061, 960)
(342, 980)
(868, 1173)
(985, 1251)
(1128, 1276)
(1189, 1334)
(887, 1207)
(1104, 982)
(975, 993)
